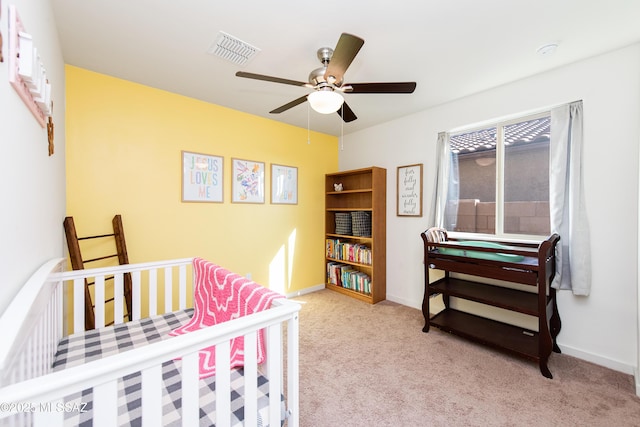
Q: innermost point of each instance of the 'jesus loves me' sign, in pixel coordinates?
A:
(201, 177)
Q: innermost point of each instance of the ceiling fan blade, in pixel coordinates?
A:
(347, 48)
(346, 113)
(269, 79)
(397, 87)
(291, 104)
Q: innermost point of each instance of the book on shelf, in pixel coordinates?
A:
(348, 251)
(346, 276)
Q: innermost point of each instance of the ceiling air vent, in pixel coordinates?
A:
(232, 49)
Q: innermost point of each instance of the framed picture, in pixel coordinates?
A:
(201, 177)
(284, 185)
(247, 181)
(409, 190)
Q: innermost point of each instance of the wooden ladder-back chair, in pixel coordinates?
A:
(78, 263)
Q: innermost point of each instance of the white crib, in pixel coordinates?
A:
(32, 393)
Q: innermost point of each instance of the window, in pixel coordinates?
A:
(524, 153)
(499, 182)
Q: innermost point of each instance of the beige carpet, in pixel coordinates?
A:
(371, 365)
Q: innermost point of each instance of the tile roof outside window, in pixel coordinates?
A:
(531, 131)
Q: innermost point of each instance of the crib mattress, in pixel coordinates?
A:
(84, 347)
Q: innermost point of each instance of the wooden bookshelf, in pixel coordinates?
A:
(364, 190)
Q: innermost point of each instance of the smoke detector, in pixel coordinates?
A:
(547, 49)
(232, 49)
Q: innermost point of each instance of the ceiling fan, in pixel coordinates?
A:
(327, 81)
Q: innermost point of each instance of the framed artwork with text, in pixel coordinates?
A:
(409, 190)
(202, 177)
(284, 185)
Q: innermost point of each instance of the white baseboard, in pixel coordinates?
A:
(616, 365)
(403, 301)
(637, 378)
(305, 291)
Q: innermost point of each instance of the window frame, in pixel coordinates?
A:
(500, 172)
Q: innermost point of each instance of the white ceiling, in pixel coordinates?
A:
(451, 48)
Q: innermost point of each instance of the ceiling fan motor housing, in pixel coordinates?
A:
(316, 77)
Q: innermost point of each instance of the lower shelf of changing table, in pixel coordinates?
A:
(502, 336)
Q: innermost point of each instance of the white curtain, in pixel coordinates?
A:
(444, 184)
(566, 200)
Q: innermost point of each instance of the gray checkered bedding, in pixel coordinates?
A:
(84, 347)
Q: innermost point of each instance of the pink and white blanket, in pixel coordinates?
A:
(220, 295)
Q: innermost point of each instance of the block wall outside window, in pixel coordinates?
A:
(475, 216)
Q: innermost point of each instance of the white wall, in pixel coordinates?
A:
(601, 328)
(32, 192)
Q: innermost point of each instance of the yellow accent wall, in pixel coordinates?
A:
(123, 156)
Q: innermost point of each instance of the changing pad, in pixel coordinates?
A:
(494, 256)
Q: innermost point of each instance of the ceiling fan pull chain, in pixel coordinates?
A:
(342, 130)
(308, 125)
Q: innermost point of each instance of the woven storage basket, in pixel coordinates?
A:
(361, 223)
(343, 223)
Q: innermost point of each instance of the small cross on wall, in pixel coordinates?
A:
(50, 135)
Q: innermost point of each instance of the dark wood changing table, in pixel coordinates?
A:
(531, 264)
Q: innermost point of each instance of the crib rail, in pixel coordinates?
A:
(31, 327)
(143, 276)
(31, 394)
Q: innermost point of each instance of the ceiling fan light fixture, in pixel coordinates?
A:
(325, 101)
